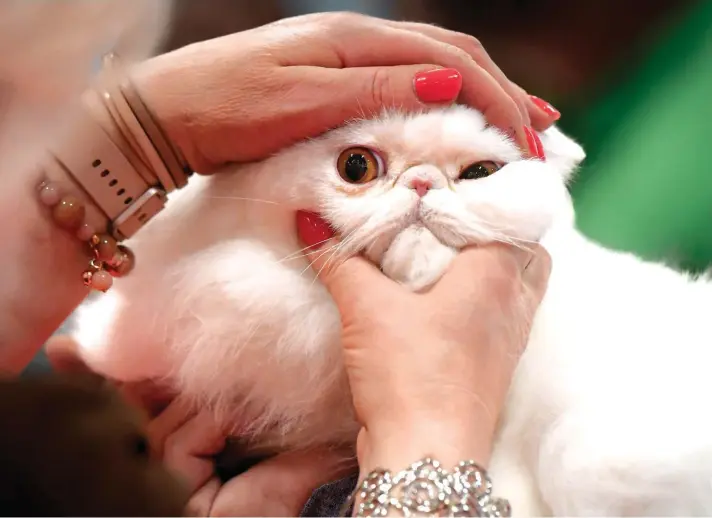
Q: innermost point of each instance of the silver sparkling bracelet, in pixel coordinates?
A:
(426, 489)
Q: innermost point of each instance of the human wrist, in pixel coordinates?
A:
(45, 286)
(156, 85)
(96, 164)
(422, 474)
(396, 443)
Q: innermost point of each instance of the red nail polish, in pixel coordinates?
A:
(312, 229)
(536, 148)
(438, 86)
(546, 107)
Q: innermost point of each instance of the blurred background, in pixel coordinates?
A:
(633, 79)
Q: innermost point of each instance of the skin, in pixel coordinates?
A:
(254, 92)
(429, 374)
(249, 95)
(188, 444)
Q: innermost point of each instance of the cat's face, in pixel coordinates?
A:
(410, 191)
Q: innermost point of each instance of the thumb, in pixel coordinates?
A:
(366, 91)
(536, 273)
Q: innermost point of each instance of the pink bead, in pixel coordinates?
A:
(49, 195)
(101, 280)
(85, 232)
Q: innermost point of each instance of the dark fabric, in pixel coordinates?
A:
(329, 499)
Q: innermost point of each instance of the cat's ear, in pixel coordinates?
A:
(562, 152)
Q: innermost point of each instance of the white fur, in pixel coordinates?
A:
(607, 413)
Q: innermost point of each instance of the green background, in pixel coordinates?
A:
(646, 185)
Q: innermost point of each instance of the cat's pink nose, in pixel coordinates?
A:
(421, 186)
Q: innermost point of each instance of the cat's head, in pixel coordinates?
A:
(409, 191)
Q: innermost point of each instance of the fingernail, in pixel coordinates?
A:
(312, 229)
(536, 149)
(546, 107)
(438, 86)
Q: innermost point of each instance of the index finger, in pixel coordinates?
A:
(357, 41)
(479, 89)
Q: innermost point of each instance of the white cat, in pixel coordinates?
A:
(607, 413)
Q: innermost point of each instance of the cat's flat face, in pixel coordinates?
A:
(410, 191)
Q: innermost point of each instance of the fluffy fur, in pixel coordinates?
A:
(606, 413)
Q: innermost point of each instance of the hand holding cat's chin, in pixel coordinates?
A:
(429, 372)
(452, 426)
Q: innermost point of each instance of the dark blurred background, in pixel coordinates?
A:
(633, 79)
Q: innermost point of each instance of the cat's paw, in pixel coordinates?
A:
(416, 258)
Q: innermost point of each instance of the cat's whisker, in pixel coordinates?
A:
(297, 254)
(335, 254)
(239, 198)
(502, 233)
(360, 109)
(336, 249)
(345, 245)
(514, 241)
(325, 251)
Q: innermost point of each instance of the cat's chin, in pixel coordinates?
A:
(416, 258)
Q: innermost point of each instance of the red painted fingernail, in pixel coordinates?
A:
(546, 107)
(312, 229)
(536, 148)
(438, 86)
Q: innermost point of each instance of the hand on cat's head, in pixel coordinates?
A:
(255, 92)
(406, 353)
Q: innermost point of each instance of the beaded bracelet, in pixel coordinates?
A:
(116, 154)
(109, 259)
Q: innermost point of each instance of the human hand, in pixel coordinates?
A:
(438, 362)
(244, 96)
(188, 443)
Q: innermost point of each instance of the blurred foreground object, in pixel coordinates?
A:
(69, 446)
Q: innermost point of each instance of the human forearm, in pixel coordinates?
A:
(432, 465)
(40, 284)
(107, 163)
(469, 436)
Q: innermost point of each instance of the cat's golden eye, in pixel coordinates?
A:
(479, 170)
(359, 165)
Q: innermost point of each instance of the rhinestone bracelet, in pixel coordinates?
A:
(426, 489)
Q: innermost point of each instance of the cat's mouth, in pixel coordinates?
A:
(415, 249)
